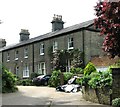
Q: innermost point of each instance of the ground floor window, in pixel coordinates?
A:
(41, 68)
(26, 71)
(69, 63)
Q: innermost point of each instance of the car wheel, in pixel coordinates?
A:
(45, 83)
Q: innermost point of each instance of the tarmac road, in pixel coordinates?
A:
(32, 95)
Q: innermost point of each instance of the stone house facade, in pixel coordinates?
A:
(32, 55)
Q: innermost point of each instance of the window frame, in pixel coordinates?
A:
(42, 49)
(8, 56)
(25, 52)
(70, 42)
(26, 71)
(40, 69)
(16, 55)
(55, 46)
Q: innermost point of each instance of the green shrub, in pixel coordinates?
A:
(100, 79)
(8, 82)
(89, 69)
(83, 81)
(76, 70)
(116, 102)
(25, 82)
(54, 81)
(33, 75)
(67, 76)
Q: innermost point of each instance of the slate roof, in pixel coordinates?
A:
(51, 34)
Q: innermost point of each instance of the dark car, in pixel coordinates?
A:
(41, 80)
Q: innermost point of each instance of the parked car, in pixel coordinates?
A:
(41, 80)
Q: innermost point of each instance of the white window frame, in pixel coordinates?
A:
(68, 67)
(70, 42)
(40, 69)
(55, 46)
(16, 55)
(8, 57)
(25, 52)
(26, 71)
(42, 49)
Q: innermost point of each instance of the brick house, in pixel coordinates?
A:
(32, 55)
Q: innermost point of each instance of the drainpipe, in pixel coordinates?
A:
(83, 47)
(33, 58)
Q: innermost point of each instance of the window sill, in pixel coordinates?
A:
(26, 57)
(42, 54)
(8, 60)
(25, 76)
(70, 48)
(16, 59)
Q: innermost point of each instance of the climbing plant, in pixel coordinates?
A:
(60, 57)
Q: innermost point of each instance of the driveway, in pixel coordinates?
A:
(32, 95)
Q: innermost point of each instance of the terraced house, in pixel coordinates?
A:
(32, 55)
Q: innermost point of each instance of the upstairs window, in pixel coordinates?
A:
(70, 43)
(41, 49)
(26, 71)
(55, 46)
(8, 57)
(26, 53)
(16, 55)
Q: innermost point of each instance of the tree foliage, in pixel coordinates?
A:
(108, 20)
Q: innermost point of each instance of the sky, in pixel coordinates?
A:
(36, 16)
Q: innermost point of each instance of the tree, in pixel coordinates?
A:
(108, 21)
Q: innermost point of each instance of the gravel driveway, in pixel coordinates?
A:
(31, 95)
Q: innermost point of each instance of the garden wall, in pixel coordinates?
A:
(116, 83)
(101, 95)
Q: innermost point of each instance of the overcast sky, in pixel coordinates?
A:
(36, 15)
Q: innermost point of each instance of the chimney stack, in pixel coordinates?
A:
(24, 35)
(57, 23)
(2, 43)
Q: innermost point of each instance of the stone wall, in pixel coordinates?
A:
(116, 83)
(101, 95)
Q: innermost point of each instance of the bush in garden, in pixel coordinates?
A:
(89, 69)
(54, 81)
(25, 82)
(96, 80)
(116, 102)
(83, 81)
(8, 81)
(67, 76)
(76, 70)
(100, 79)
(33, 75)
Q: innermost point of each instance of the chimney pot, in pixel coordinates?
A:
(24, 35)
(57, 23)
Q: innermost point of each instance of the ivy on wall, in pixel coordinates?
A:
(59, 59)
